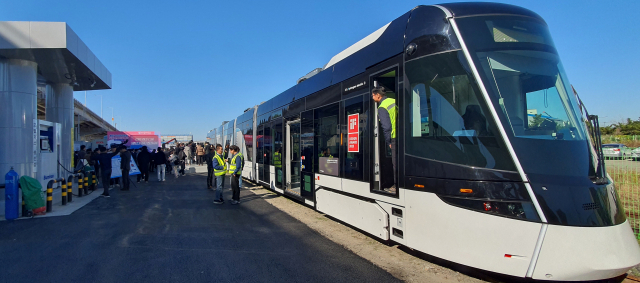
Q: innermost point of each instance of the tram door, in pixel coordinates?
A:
(383, 177)
(260, 152)
(293, 163)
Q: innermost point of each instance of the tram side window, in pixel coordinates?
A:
(327, 142)
(248, 140)
(354, 159)
(447, 121)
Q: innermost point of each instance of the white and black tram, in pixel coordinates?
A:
(498, 166)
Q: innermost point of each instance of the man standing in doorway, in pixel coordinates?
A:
(125, 167)
(235, 169)
(219, 170)
(387, 113)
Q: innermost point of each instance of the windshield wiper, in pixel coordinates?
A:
(595, 136)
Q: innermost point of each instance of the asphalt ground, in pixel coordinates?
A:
(172, 232)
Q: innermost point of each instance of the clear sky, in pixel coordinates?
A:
(185, 66)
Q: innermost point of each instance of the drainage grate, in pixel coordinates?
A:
(590, 206)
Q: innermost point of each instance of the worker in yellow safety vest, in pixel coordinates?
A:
(387, 113)
(219, 170)
(235, 169)
(277, 159)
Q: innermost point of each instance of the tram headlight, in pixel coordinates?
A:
(513, 209)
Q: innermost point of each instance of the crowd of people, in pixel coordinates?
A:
(173, 160)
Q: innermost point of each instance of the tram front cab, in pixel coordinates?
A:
(492, 126)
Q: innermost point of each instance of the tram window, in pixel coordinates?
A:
(353, 163)
(447, 121)
(268, 144)
(277, 152)
(327, 140)
(248, 140)
(260, 145)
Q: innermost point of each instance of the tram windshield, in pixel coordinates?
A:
(529, 89)
(532, 89)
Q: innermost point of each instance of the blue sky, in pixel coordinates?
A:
(184, 66)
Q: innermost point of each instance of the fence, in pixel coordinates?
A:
(626, 175)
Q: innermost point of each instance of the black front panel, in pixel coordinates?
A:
(506, 199)
(430, 32)
(576, 201)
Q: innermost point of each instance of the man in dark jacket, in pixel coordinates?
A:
(182, 156)
(104, 159)
(125, 166)
(208, 156)
(161, 160)
(144, 157)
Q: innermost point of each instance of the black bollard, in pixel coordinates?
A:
(50, 195)
(70, 188)
(64, 192)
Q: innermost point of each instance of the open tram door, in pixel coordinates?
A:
(293, 159)
(383, 165)
(298, 159)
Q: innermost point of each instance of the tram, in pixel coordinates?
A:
(498, 164)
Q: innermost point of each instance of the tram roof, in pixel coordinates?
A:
(384, 43)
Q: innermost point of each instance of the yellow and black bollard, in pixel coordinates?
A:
(80, 181)
(50, 195)
(70, 188)
(64, 192)
(86, 184)
(93, 180)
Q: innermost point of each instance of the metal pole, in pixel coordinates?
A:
(85, 98)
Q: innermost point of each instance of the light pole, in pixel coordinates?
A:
(116, 124)
(100, 103)
(112, 121)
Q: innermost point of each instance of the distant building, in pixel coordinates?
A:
(178, 138)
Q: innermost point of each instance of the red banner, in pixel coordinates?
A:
(353, 133)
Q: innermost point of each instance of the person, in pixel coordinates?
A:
(82, 152)
(125, 166)
(160, 159)
(81, 162)
(193, 152)
(104, 159)
(168, 153)
(144, 157)
(181, 158)
(152, 163)
(219, 170)
(387, 112)
(95, 163)
(326, 153)
(200, 154)
(187, 154)
(208, 158)
(235, 169)
(173, 158)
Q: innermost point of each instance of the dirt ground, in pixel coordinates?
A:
(399, 263)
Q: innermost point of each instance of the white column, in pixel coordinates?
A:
(60, 110)
(18, 102)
